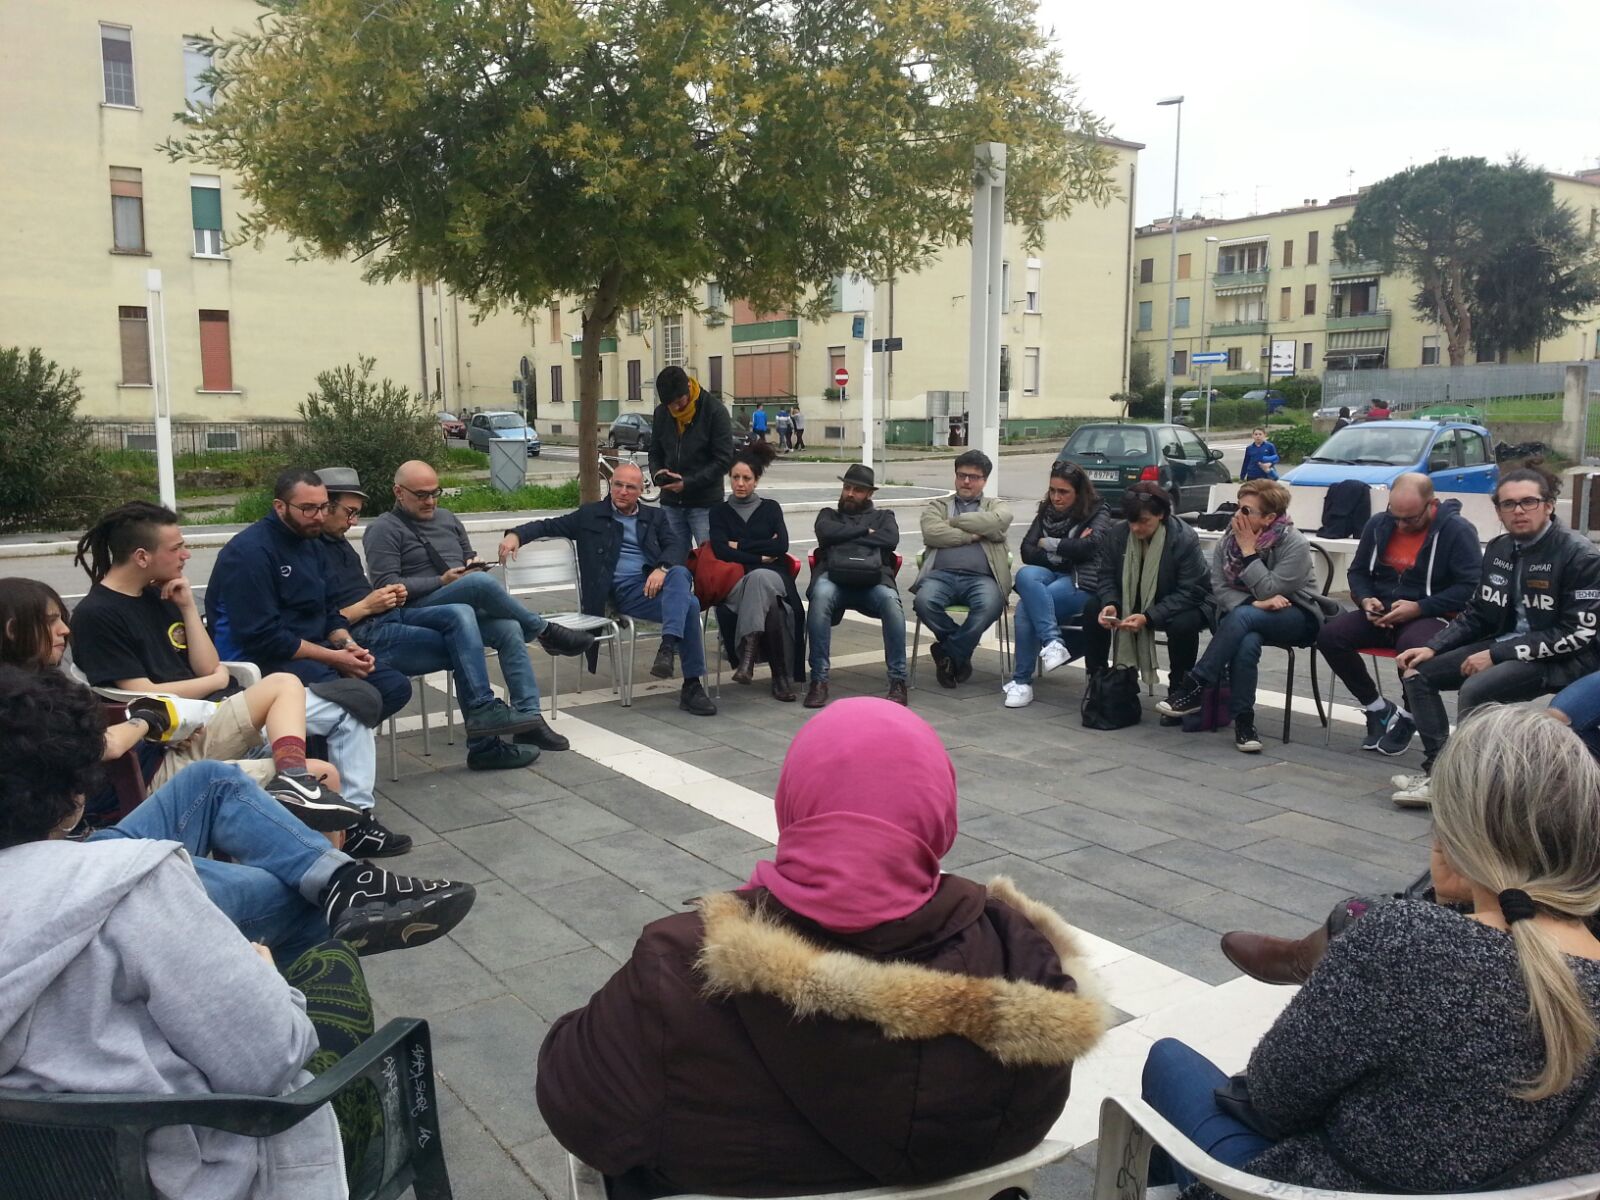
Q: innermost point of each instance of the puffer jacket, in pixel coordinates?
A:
(702, 453)
(1078, 554)
(931, 1045)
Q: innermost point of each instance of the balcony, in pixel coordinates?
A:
(766, 331)
(1237, 328)
(1239, 283)
(1366, 321)
(1345, 270)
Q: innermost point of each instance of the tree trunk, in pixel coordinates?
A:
(599, 321)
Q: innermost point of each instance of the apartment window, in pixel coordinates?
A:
(1430, 350)
(1288, 252)
(1306, 349)
(1235, 358)
(133, 330)
(1146, 315)
(1311, 300)
(672, 353)
(1030, 371)
(1031, 300)
(196, 61)
(714, 374)
(116, 64)
(205, 205)
(555, 322)
(1147, 270)
(127, 210)
(1285, 303)
(635, 320)
(555, 386)
(1180, 362)
(635, 381)
(1311, 248)
(1180, 316)
(1183, 266)
(835, 362)
(216, 352)
(715, 301)
(1486, 354)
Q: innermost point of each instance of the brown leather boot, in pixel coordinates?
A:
(817, 693)
(748, 649)
(1275, 959)
(897, 691)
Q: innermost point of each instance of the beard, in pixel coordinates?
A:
(852, 506)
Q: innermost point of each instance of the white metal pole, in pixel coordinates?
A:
(161, 389)
(1205, 342)
(1172, 256)
(869, 433)
(983, 354)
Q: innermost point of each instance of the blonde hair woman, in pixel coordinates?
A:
(1432, 1051)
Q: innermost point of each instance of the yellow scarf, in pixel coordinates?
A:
(683, 418)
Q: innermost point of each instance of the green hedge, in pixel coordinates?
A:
(1294, 442)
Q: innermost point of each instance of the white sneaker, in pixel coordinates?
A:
(1416, 792)
(1018, 695)
(1055, 655)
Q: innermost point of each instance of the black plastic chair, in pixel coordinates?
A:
(92, 1147)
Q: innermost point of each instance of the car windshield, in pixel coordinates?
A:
(1108, 443)
(1373, 445)
(1256, 395)
(505, 421)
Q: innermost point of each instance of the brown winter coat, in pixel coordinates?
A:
(744, 1049)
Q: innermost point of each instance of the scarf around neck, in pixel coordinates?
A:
(1233, 557)
(683, 418)
(1141, 569)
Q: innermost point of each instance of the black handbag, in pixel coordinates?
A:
(1111, 701)
(854, 565)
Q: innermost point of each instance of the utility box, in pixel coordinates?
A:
(508, 464)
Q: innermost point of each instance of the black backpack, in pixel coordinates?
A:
(1346, 509)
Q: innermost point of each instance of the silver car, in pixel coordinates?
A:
(491, 426)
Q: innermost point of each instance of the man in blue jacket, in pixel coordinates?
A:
(1415, 567)
(630, 554)
(268, 603)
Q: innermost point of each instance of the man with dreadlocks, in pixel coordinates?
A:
(140, 630)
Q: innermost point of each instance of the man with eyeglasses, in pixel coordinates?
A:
(966, 565)
(1414, 569)
(1532, 627)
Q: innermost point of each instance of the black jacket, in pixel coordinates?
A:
(1560, 580)
(873, 527)
(598, 538)
(1078, 554)
(1183, 581)
(702, 453)
(765, 533)
(1440, 581)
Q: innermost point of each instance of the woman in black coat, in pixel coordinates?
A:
(762, 618)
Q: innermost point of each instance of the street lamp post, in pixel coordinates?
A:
(1205, 342)
(1172, 261)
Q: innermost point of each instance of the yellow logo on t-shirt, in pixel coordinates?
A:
(178, 636)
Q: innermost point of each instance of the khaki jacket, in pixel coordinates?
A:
(992, 522)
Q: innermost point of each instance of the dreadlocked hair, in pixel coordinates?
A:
(112, 540)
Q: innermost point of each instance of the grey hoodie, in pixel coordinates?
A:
(118, 974)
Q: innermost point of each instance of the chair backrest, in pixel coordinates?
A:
(548, 562)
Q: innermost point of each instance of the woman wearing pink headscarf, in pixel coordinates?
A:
(849, 1017)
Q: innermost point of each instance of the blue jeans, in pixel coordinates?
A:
(1046, 599)
(280, 868)
(419, 641)
(1579, 702)
(692, 525)
(882, 602)
(979, 594)
(1236, 648)
(673, 607)
(1180, 1083)
(486, 596)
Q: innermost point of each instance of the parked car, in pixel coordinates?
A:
(1188, 399)
(1459, 457)
(630, 431)
(1273, 397)
(451, 425)
(1115, 455)
(486, 427)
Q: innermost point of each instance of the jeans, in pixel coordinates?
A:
(1180, 1084)
(419, 641)
(673, 607)
(692, 525)
(1343, 638)
(352, 747)
(1580, 703)
(280, 868)
(939, 590)
(1046, 599)
(1236, 648)
(487, 597)
(1503, 683)
(882, 602)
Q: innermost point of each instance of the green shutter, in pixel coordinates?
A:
(206, 203)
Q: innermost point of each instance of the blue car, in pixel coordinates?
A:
(1457, 456)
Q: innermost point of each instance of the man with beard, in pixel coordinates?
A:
(268, 603)
(855, 568)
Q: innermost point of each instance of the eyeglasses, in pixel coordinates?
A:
(1415, 519)
(430, 494)
(1248, 511)
(969, 477)
(310, 510)
(1526, 504)
(349, 510)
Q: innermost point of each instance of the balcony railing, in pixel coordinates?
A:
(1372, 320)
(1339, 269)
(1240, 279)
(1237, 328)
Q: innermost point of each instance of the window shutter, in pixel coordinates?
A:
(216, 352)
(206, 205)
(133, 327)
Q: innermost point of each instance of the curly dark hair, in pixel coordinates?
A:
(757, 456)
(52, 734)
(25, 621)
(1087, 499)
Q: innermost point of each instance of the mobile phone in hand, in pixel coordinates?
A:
(478, 566)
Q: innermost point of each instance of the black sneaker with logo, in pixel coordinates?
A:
(374, 911)
(1244, 734)
(368, 839)
(1397, 738)
(314, 804)
(1378, 724)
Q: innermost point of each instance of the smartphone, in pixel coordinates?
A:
(666, 476)
(478, 566)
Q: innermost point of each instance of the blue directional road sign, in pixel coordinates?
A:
(1208, 357)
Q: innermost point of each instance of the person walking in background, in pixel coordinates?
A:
(798, 420)
(1260, 457)
(1379, 410)
(785, 430)
(758, 422)
(1342, 419)
(691, 448)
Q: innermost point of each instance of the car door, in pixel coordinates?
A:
(1442, 463)
(478, 434)
(1479, 471)
(1177, 464)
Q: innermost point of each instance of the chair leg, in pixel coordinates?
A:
(1288, 697)
(1006, 659)
(1325, 716)
(450, 709)
(555, 683)
(916, 640)
(1333, 687)
(620, 683)
(394, 753)
(422, 703)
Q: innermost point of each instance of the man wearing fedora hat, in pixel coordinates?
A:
(855, 568)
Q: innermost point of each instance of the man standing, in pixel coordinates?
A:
(758, 421)
(1532, 627)
(1260, 457)
(1415, 568)
(785, 430)
(631, 555)
(691, 449)
(855, 568)
(966, 564)
(798, 420)
(436, 637)
(268, 603)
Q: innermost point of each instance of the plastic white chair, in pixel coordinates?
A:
(553, 563)
(588, 1184)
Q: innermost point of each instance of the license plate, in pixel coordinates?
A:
(1102, 476)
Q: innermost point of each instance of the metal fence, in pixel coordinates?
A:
(197, 437)
(1417, 387)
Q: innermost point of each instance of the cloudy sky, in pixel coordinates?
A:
(1295, 99)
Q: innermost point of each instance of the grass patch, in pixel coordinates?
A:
(459, 458)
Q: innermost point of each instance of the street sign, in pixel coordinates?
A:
(858, 327)
(1209, 357)
(879, 345)
(841, 377)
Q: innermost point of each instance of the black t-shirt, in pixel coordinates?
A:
(129, 637)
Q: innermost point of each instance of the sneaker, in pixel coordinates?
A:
(662, 667)
(496, 718)
(1412, 791)
(542, 736)
(1378, 724)
(897, 692)
(1244, 734)
(561, 641)
(1054, 655)
(368, 839)
(374, 911)
(501, 756)
(1018, 695)
(693, 699)
(1397, 738)
(315, 805)
(943, 667)
(962, 669)
(1182, 700)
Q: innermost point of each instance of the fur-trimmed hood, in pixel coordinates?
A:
(748, 949)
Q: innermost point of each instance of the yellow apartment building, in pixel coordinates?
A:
(1280, 302)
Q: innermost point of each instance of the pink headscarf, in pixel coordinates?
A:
(866, 809)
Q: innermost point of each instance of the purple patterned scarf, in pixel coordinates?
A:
(1233, 558)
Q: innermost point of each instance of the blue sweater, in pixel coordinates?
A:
(268, 593)
(1259, 461)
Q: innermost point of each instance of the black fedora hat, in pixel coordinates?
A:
(860, 476)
